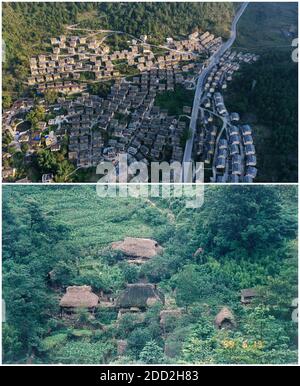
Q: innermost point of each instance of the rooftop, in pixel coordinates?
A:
(79, 297)
(138, 247)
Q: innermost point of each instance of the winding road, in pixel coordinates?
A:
(214, 59)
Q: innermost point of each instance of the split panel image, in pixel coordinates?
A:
(99, 90)
(134, 276)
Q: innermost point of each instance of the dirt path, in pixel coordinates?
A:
(167, 212)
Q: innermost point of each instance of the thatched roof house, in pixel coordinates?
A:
(137, 247)
(79, 297)
(225, 319)
(140, 295)
(247, 295)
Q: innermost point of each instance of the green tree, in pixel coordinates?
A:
(137, 340)
(11, 344)
(36, 115)
(51, 96)
(64, 171)
(151, 353)
(63, 273)
(241, 222)
(193, 284)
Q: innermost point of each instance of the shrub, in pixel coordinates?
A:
(53, 341)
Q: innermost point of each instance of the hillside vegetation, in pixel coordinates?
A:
(266, 95)
(248, 240)
(267, 25)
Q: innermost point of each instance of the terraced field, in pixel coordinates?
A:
(99, 221)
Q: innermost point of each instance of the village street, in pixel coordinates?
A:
(199, 90)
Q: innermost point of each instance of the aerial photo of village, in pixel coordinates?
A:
(96, 85)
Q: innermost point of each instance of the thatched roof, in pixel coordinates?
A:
(249, 292)
(79, 297)
(139, 295)
(224, 316)
(137, 247)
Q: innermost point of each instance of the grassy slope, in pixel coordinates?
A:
(262, 25)
(94, 226)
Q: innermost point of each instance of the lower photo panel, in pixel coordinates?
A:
(150, 274)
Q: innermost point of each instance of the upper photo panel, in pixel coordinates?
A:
(150, 92)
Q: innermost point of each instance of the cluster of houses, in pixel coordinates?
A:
(223, 72)
(137, 297)
(41, 135)
(63, 87)
(72, 57)
(125, 122)
(134, 298)
(81, 116)
(206, 42)
(12, 119)
(230, 149)
(235, 158)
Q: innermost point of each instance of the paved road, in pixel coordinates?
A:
(199, 90)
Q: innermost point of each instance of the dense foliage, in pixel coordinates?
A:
(162, 19)
(266, 93)
(248, 239)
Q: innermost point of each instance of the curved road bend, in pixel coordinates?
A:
(199, 90)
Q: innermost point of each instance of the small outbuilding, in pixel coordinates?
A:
(248, 295)
(225, 319)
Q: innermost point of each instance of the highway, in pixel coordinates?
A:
(213, 60)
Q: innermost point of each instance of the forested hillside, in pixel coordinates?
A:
(27, 26)
(242, 237)
(266, 94)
